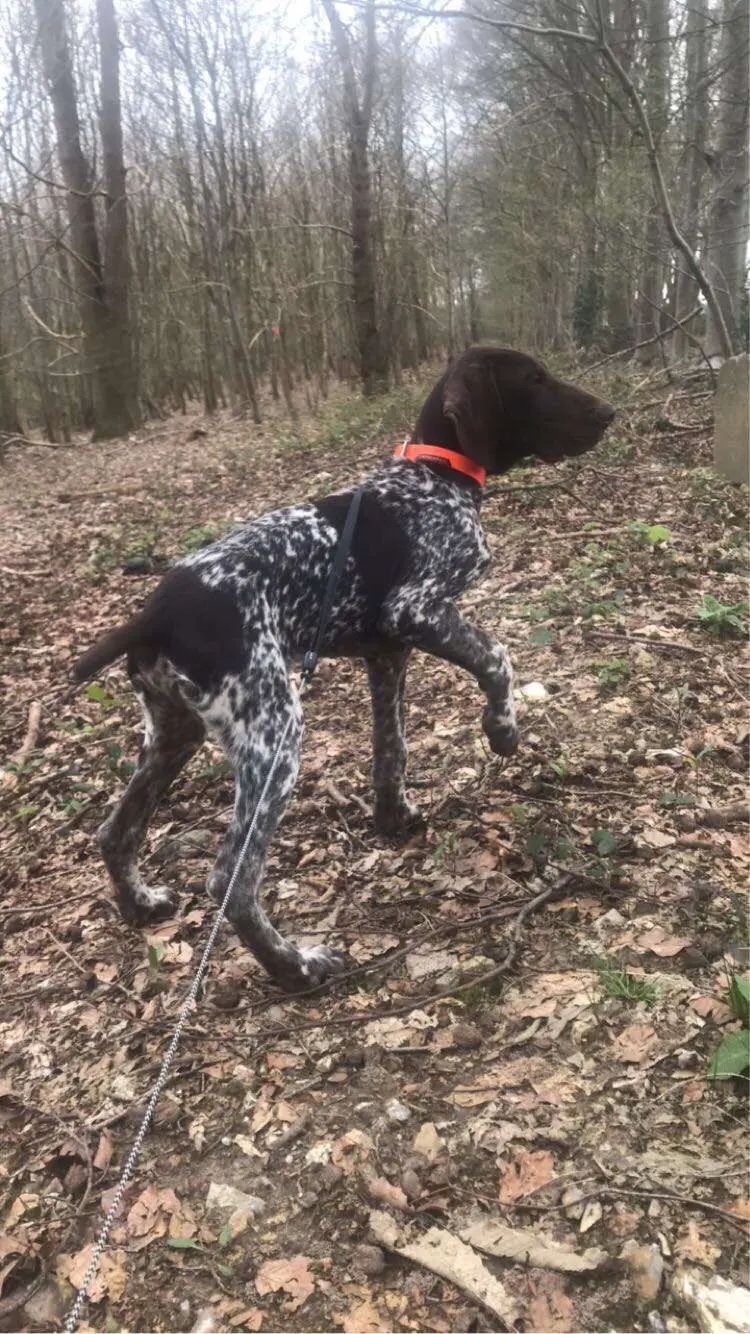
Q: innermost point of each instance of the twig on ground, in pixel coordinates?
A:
(646, 1193)
(32, 734)
(25, 574)
(667, 644)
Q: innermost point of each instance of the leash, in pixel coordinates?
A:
(309, 664)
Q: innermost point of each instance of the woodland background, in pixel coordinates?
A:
(202, 199)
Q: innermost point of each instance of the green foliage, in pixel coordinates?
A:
(543, 846)
(604, 842)
(540, 636)
(669, 799)
(155, 956)
(24, 813)
(202, 535)
(622, 985)
(611, 672)
(722, 618)
(101, 696)
(732, 1056)
(561, 766)
(652, 534)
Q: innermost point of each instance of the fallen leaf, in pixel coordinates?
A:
(633, 1045)
(428, 1143)
(105, 1148)
(352, 1149)
(108, 1280)
(291, 1276)
(362, 1318)
(442, 1253)
(661, 943)
(386, 1193)
(691, 1245)
(551, 1311)
(656, 838)
(528, 1173)
(525, 1247)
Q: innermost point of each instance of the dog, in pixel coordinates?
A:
(212, 648)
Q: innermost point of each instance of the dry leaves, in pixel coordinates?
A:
(291, 1276)
(109, 1279)
(660, 942)
(634, 1044)
(529, 1172)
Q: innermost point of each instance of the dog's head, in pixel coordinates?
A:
(504, 406)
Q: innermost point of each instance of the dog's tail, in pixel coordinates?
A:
(112, 645)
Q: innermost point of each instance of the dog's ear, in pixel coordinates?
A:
(471, 400)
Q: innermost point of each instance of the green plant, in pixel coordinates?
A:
(604, 842)
(101, 696)
(561, 766)
(652, 534)
(721, 618)
(155, 956)
(732, 1056)
(611, 672)
(622, 985)
(201, 535)
(447, 847)
(670, 800)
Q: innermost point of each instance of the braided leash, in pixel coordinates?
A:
(310, 663)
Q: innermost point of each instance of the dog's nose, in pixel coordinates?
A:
(604, 413)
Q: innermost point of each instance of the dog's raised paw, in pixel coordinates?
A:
(501, 734)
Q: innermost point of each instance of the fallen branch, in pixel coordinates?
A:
(666, 644)
(670, 1197)
(32, 734)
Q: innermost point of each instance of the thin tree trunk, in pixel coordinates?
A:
(372, 358)
(728, 220)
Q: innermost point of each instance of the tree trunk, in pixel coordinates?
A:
(118, 369)
(696, 121)
(373, 364)
(652, 265)
(728, 219)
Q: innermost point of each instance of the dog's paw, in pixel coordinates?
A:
(398, 823)
(149, 903)
(501, 732)
(313, 967)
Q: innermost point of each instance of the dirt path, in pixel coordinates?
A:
(569, 1099)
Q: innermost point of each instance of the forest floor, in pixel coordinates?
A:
(568, 1099)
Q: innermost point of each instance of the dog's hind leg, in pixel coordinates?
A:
(250, 722)
(395, 816)
(173, 733)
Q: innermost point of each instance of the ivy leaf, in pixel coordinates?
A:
(732, 1056)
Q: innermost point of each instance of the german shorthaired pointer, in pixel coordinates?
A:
(212, 648)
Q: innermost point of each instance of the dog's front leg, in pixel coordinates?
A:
(395, 816)
(438, 628)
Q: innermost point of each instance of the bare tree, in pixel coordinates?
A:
(729, 208)
(100, 283)
(358, 102)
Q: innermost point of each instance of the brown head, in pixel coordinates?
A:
(498, 406)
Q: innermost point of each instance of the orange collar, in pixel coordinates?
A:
(436, 454)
